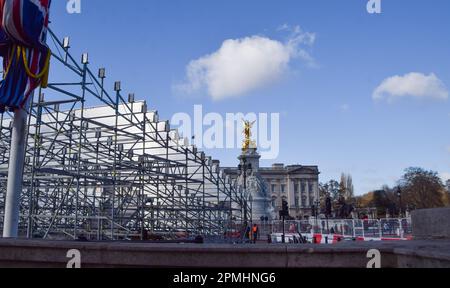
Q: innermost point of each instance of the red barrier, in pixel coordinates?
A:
(317, 238)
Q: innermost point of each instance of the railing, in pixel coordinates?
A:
(382, 229)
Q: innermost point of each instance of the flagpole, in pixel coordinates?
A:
(15, 173)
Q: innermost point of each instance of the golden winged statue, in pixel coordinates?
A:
(248, 143)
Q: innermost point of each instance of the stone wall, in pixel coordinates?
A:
(38, 253)
(431, 223)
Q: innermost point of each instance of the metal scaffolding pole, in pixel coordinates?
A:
(113, 171)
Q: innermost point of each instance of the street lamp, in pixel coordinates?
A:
(250, 198)
(316, 212)
(328, 208)
(399, 196)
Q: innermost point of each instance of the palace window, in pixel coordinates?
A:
(304, 200)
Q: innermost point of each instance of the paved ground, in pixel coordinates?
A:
(38, 253)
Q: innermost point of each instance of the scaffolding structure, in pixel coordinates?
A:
(114, 171)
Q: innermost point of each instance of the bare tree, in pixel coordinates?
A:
(350, 187)
(346, 188)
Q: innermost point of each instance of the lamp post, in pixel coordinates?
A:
(250, 198)
(317, 208)
(328, 208)
(399, 195)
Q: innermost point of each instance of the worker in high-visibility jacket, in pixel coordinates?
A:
(255, 232)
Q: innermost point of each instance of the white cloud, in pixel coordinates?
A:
(244, 65)
(445, 176)
(416, 85)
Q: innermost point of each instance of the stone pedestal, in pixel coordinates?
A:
(250, 156)
(255, 185)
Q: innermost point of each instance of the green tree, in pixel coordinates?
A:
(422, 189)
(383, 202)
(330, 189)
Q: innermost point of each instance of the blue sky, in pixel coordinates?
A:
(328, 114)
